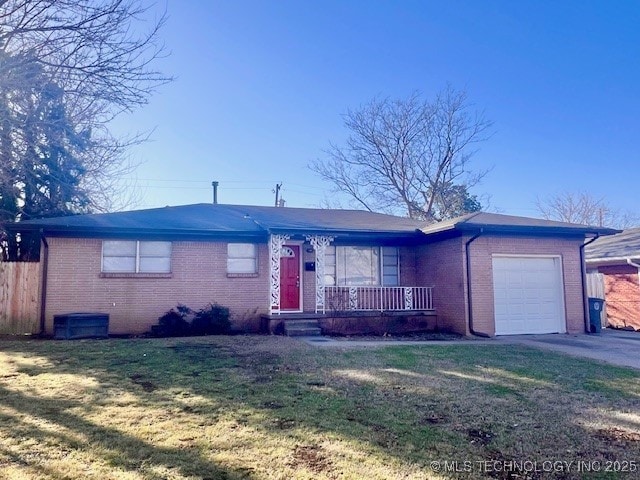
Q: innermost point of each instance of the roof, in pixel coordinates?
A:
(499, 223)
(207, 220)
(615, 249)
(219, 220)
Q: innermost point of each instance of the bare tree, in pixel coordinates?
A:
(67, 68)
(409, 156)
(585, 209)
(90, 48)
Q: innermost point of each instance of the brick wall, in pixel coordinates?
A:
(485, 246)
(441, 265)
(134, 304)
(408, 266)
(622, 294)
(308, 280)
(199, 277)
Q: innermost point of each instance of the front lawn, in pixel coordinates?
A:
(274, 407)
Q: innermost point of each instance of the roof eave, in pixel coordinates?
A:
(611, 260)
(535, 230)
(106, 232)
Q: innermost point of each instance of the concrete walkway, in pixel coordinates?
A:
(613, 346)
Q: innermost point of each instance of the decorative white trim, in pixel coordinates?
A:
(353, 298)
(408, 298)
(275, 248)
(320, 244)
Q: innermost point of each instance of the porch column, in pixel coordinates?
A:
(275, 250)
(320, 244)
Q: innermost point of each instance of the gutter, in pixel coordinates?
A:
(632, 263)
(469, 299)
(535, 230)
(607, 260)
(583, 277)
(43, 293)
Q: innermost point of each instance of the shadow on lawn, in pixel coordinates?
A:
(410, 404)
(72, 432)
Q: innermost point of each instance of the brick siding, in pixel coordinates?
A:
(481, 251)
(441, 265)
(199, 276)
(622, 294)
(308, 280)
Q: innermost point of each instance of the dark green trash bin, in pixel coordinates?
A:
(595, 314)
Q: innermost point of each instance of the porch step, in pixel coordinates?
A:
(302, 328)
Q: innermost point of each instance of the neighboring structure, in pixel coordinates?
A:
(617, 258)
(349, 270)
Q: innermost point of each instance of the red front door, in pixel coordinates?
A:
(290, 277)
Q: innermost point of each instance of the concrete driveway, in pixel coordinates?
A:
(617, 347)
(613, 346)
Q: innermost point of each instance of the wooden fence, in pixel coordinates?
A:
(19, 297)
(595, 288)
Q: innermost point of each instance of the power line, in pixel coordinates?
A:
(261, 182)
(203, 181)
(173, 187)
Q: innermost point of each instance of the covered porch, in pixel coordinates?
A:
(344, 288)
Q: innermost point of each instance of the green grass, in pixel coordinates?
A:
(273, 407)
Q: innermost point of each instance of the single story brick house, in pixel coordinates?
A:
(349, 271)
(617, 258)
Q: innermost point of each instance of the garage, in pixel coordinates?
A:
(528, 295)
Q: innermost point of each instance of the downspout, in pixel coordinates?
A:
(469, 302)
(43, 293)
(583, 276)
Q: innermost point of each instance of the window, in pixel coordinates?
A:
(390, 267)
(131, 256)
(242, 258)
(361, 266)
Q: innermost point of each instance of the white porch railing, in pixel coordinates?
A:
(378, 298)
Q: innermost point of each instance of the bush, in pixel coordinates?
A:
(173, 323)
(211, 320)
(183, 321)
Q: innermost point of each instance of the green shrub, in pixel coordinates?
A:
(211, 320)
(174, 323)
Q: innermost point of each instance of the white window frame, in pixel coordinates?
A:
(334, 249)
(254, 258)
(137, 259)
(397, 265)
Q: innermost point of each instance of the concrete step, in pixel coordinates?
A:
(301, 323)
(303, 327)
(302, 332)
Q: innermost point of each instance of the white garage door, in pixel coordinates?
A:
(528, 295)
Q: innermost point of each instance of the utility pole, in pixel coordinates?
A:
(277, 192)
(600, 217)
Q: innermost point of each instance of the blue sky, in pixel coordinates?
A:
(261, 85)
